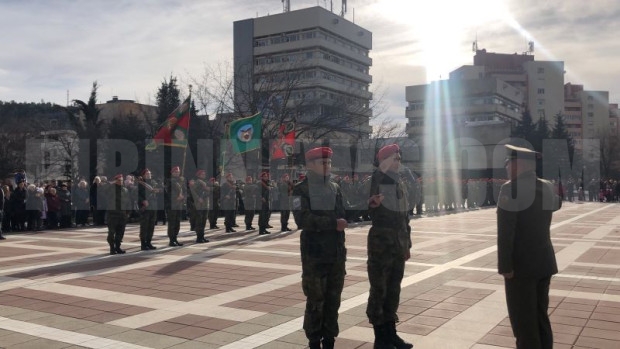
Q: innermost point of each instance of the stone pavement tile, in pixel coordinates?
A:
(220, 338)
(567, 320)
(147, 339)
(564, 338)
(40, 343)
(246, 328)
(12, 339)
(194, 345)
(103, 330)
(498, 340)
(162, 327)
(272, 320)
(598, 343)
(599, 333)
(191, 332)
(215, 324)
(284, 345)
(415, 328)
(63, 322)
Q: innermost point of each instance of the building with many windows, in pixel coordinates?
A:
(310, 62)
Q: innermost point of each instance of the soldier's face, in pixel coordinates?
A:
(320, 166)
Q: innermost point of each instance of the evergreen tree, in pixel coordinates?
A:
(88, 126)
(167, 99)
(525, 129)
(560, 131)
(541, 133)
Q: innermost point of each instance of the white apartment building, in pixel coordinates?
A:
(461, 115)
(314, 61)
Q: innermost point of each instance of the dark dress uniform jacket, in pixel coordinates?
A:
(524, 213)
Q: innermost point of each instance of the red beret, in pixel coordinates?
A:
(118, 176)
(200, 173)
(144, 171)
(264, 174)
(319, 153)
(229, 175)
(285, 175)
(302, 176)
(212, 179)
(387, 151)
(176, 169)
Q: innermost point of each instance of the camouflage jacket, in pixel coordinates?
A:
(317, 204)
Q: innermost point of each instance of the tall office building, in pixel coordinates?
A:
(310, 65)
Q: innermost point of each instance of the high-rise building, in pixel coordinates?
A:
(492, 93)
(309, 65)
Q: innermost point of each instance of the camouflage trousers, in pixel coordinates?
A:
(322, 284)
(385, 273)
(148, 218)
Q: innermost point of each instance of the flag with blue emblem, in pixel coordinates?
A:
(245, 133)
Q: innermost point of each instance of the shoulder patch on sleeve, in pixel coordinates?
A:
(296, 203)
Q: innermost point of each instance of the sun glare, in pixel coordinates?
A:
(443, 27)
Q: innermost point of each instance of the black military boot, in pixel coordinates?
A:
(150, 246)
(328, 343)
(398, 342)
(112, 249)
(382, 337)
(143, 246)
(314, 345)
(118, 249)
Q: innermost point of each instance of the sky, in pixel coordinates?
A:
(53, 48)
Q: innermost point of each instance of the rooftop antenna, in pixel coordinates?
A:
(530, 47)
(474, 45)
(287, 5)
(67, 98)
(344, 8)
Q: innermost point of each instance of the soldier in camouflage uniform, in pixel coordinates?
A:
(319, 210)
(175, 195)
(148, 190)
(199, 193)
(250, 197)
(389, 241)
(214, 203)
(228, 200)
(285, 188)
(119, 206)
(265, 204)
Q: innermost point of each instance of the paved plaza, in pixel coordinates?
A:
(61, 289)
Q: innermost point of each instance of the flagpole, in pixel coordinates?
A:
(189, 121)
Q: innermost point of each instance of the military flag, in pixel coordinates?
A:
(284, 145)
(245, 134)
(173, 132)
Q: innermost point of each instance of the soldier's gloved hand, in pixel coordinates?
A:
(341, 224)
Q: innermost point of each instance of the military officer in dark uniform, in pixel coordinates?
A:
(525, 254)
(389, 242)
(199, 193)
(250, 197)
(119, 206)
(319, 210)
(175, 196)
(285, 188)
(148, 190)
(265, 208)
